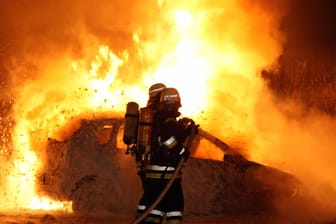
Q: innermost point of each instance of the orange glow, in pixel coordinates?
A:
(208, 150)
(202, 50)
(43, 203)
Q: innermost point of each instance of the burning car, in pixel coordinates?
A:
(92, 170)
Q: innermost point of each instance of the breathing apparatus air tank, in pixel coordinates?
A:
(131, 123)
(145, 130)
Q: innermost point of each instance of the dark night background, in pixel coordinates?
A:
(307, 66)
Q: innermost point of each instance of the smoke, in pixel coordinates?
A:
(311, 30)
(290, 135)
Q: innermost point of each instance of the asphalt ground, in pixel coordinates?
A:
(48, 217)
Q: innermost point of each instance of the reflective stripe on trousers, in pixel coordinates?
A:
(160, 172)
(156, 216)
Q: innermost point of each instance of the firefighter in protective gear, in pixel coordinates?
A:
(167, 149)
(145, 127)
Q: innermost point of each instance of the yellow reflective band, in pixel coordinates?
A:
(174, 221)
(160, 175)
(153, 220)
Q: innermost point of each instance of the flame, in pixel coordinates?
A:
(188, 56)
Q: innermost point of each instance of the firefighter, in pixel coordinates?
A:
(144, 139)
(167, 149)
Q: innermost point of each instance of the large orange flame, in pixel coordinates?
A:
(202, 50)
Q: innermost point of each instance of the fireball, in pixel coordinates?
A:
(210, 51)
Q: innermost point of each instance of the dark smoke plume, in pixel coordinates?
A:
(311, 29)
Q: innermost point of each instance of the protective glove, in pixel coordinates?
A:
(186, 122)
(185, 127)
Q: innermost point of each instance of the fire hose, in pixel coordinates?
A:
(171, 180)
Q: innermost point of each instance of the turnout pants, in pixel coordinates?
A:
(171, 205)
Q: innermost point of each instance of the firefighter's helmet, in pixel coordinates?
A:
(170, 99)
(154, 93)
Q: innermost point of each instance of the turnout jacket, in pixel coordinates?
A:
(168, 136)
